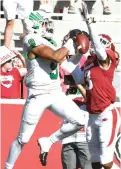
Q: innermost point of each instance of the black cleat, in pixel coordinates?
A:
(43, 158)
(45, 144)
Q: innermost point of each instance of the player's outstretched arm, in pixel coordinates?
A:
(99, 49)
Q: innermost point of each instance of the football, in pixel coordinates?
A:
(82, 43)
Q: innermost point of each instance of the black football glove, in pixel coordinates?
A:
(72, 34)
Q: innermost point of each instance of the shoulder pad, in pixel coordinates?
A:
(32, 40)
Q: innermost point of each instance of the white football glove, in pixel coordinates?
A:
(70, 46)
(83, 10)
(84, 13)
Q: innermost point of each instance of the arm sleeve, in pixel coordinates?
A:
(76, 58)
(78, 75)
(99, 49)
(70, 65)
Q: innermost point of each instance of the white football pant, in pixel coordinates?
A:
(102, 132)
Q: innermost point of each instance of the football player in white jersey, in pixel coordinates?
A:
(44, 91)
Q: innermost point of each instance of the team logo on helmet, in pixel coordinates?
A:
(106, 41)
(37, 19)
(39, 22)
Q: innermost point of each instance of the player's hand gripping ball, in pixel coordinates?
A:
(82, 43)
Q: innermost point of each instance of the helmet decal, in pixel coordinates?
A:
(106, 41)
(40, 23)
(37, 19)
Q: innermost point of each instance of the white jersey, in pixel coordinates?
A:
(40, 75)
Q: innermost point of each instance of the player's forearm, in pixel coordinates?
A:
(71, 64)
(76, 58)
(46, 52)
(68, 66)
(77, 73)
(60, 54)
(99, 49)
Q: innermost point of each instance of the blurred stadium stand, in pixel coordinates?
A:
(105, 24)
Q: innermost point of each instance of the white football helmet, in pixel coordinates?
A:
(39, 22)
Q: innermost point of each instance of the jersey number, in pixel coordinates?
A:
(89, 84)
(54, 74)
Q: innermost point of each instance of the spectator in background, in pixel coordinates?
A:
(11, 77)
(11, 8)
(106, 9)
(74, 4)
(46, 4)
(71, 9)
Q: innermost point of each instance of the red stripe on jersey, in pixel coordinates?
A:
(114, 124)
